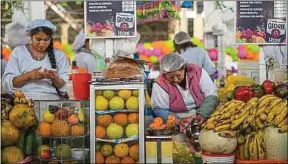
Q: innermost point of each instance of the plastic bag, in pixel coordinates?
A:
(181, 151)
(126, 47)
(97, 46)
(122, 68)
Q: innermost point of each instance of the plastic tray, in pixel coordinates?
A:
(160, 132)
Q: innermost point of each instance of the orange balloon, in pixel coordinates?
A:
(145, 58)
(249, 55)
(256, 56)
(166, 50)
(57, 45)
(157, 44)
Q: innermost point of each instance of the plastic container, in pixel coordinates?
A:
(208, 157)
(260, 161)
(81, 82)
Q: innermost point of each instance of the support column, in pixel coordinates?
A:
(198, 24)
(64, 32)
(36, 10)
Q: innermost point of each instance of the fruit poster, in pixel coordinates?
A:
(261, 22)
(110, 19)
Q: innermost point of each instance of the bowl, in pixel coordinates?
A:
(79, 153)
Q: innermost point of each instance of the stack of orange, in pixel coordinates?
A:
(158, 123)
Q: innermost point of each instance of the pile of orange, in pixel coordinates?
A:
(159, 123)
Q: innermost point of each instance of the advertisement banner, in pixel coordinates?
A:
(110, 19)
(261, 22)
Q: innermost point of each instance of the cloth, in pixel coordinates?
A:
(3, 66)
(200, 57)
(86, 60)
(160, 98)
(40, 23)
(176, 101)
(21, 62)
(182, 37)
(79, 41)
(171, 63)
(15, 34)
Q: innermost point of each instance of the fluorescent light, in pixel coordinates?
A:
(190, 14)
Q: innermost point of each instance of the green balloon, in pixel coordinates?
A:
(234, 52)
(71, 54)
(254, 48)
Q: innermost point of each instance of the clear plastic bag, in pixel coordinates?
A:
(126, 47)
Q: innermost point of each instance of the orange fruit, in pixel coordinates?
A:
(134, 152)
(99, 157)
(127, 159)
(112, 159)
(104, 120)
(158, 121)
(45, 129)
(121, 119)
(133, 118)
(77, 130)
(100, 132)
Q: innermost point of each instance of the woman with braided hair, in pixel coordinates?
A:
(39, 70)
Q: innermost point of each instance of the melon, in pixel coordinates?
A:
(114, 131)
(276, 144)
(210, 141)
(11, 154)
(116, 103)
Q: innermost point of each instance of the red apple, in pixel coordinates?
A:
(45, 154)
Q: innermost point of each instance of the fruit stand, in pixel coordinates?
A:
(117, 122)
(252, 127)
(63, 132)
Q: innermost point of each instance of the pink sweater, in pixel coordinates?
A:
(176, 102)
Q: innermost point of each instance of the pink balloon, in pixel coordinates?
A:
(157, 52)
(242, 54)
(148, 52)
(213, 55)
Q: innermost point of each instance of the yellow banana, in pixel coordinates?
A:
(283, 123)
(279, 118)
(282, 106)
(270, 117)
(260, 147)
(269, 102)
(223, 121)
(263, 116)
(272, 107)
(253, 149)
(242, 112)
(240, 107)
(260, 110)
(237, 122)
(246, 149)
(283, 129)
(240, 139)
(248, 121)
(259, 124)
(260, 133)
(228, 134)
(222, 128)
(266, 96)
(210, 126)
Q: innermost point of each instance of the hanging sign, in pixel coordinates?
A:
(261, 22)
(110, 19)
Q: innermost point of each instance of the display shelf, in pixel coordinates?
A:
(97, 88)
(116, 111)
(120, 140)
(63, 126)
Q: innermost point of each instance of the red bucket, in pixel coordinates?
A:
(81, 85)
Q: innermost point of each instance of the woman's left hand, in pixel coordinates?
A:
(185, 121)
(50, 74)
(200, 118)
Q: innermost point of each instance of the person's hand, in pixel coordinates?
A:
(35, 74)
(50, 74)
(200, 118)
(185, 121)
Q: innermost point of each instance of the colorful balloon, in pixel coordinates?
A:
(153, 59)
(213, 55)
(242, 54)
(157, 52)
(147, 45)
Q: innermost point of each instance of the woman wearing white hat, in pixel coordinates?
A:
(193, 54)
(84, 57)
(39, 70)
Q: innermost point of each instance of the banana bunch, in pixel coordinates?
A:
(223, 117)
(253, 146)
(272, 111)
(23, 100)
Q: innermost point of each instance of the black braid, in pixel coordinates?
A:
(51, 54)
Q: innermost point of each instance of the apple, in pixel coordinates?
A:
(45, 154)
(41, 148)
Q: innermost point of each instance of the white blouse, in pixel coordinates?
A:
(21, 62)
(160, 98)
